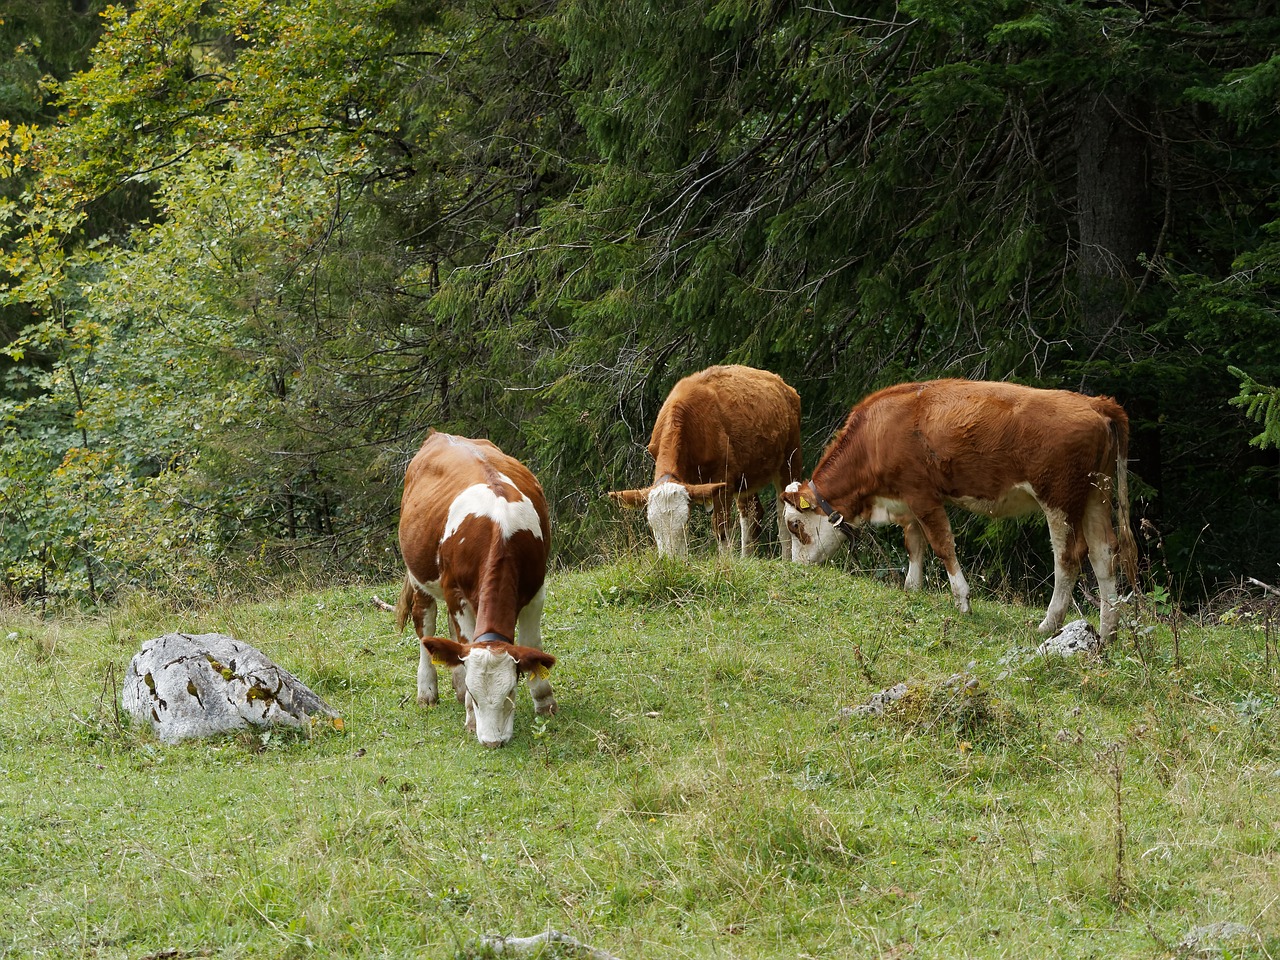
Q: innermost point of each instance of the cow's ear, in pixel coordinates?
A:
(447, 653)
(630, 498)
(702, 492)
(532, 660)
(796, 498)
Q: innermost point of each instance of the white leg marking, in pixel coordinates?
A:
(428, 693)
(784, 534)
(529, 634)
(748, 541)
(1102, 557)
(959, 588)
(914, 538)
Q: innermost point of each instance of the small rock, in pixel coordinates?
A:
(875, 706)
(1078, 636)
(1215, 939)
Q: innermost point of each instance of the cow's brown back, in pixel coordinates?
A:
(444, 467)
(975, 440)
(731, 424)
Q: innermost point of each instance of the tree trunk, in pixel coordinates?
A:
(1113, 219)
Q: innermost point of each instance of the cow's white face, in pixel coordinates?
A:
(813, 539)
(491, 678)
(668, 508)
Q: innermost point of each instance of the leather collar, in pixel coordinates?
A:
(834, 516)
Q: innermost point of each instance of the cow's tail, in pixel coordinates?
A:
(1124, 531)
(404, 607)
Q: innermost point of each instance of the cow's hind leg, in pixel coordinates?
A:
(914, 539)
(1101, 538)
(750, 515)
(937, 530)
(1067, 550)
(529, 634)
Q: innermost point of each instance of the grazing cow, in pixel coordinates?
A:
(721, 435)
(995, 448)
(474, 534)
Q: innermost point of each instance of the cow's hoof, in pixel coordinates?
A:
(546, 707)
(428, 700)
(1047, 627)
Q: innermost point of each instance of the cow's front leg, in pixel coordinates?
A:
(937, 530)
(529, 634)
(424, 619)
(750, 513)
(428, 691)
(784, 535)
(462, 627)
(720, 523)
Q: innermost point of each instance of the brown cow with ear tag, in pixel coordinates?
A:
(722, 435)
(1000, 449)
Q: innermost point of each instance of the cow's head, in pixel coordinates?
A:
(668, 510)
(492, 670)
(813, 538)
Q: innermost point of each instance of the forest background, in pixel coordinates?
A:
(251, 251)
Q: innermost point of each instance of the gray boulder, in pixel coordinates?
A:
(205, 684)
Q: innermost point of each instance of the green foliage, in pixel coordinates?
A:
(1260, 403)
(251, 252)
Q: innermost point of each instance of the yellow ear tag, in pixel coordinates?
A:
(805, 504)
(540, 672)
(436, 661)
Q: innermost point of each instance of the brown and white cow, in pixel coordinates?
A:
(474, 534)
(995, 448)
(722, 434)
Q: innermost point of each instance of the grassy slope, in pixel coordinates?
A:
(699, 794)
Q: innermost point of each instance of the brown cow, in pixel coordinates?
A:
(474, 534)
(995, 448)
(722, 434)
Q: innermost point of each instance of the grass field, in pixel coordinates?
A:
(700, 793)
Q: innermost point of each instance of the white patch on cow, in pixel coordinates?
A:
(823, 539)
(668, 512)
(464, 621)
(793, 486)
(431, 588)
(884, 511)
(1016, 501)
(491, 695)
(510, 516)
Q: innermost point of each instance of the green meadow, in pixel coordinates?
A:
(704, 791)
